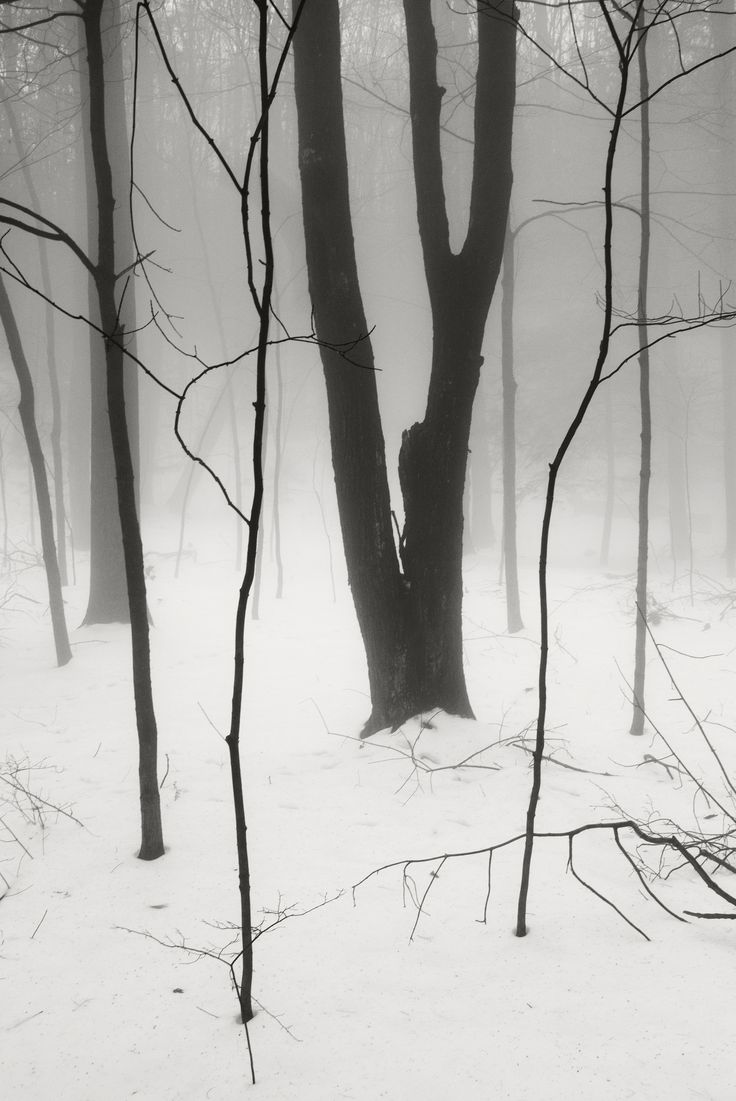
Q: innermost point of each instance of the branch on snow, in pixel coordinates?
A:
(691, 851)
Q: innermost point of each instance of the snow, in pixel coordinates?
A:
(96, 999)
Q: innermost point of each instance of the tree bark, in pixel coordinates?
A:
(409, 606)
(26, 410)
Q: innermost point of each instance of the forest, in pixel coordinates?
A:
(367, 549)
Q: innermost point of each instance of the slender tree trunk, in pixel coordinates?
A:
(479, 486)
(640, 645)
(255, 610)
(513, 605)
(4, 502)
(57, 458)
(263, 303)
(278, 457)
(229, 396)
(113, 20)
(26, 409)
(726, 168)
(152, 845)
(549, 504)
(610, 479)
(53, 371)
(676, 474)
(108, 595)
(728, 376)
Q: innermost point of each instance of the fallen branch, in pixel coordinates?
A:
(690, 850)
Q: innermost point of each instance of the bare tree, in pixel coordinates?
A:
(627, 31)
(26, 410)
(408, 598)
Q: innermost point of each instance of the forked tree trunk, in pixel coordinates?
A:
(408, 604)
(26, 409)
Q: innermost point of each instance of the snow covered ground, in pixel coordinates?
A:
(92, 1007)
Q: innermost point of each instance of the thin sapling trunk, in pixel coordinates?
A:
(554, 469)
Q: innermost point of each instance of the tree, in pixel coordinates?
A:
(108, 595)
(110, 286)
(408, 599)
(260, 280)
(645, 401)
(51, 357)
(26, 410)
(627, 32)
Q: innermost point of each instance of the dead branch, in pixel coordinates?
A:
(691, 852)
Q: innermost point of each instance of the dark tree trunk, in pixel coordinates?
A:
(26, 409)
(152, 845)
(108, 597)
(118, 140)
(409, 607)
(356, 435)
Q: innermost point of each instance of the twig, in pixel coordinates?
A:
(39, 924)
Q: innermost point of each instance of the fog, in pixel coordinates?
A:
(525, 262)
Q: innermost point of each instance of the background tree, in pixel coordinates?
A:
(645, 400)
(26, 409)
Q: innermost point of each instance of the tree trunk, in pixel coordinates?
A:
(108, 597)
(152, 845)
(645, 474)
(26, 409)
(725, 90)
(610, 500)
(510, 556)
(57, 459)
(729, 446)
(409, 607)
(278, 456)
